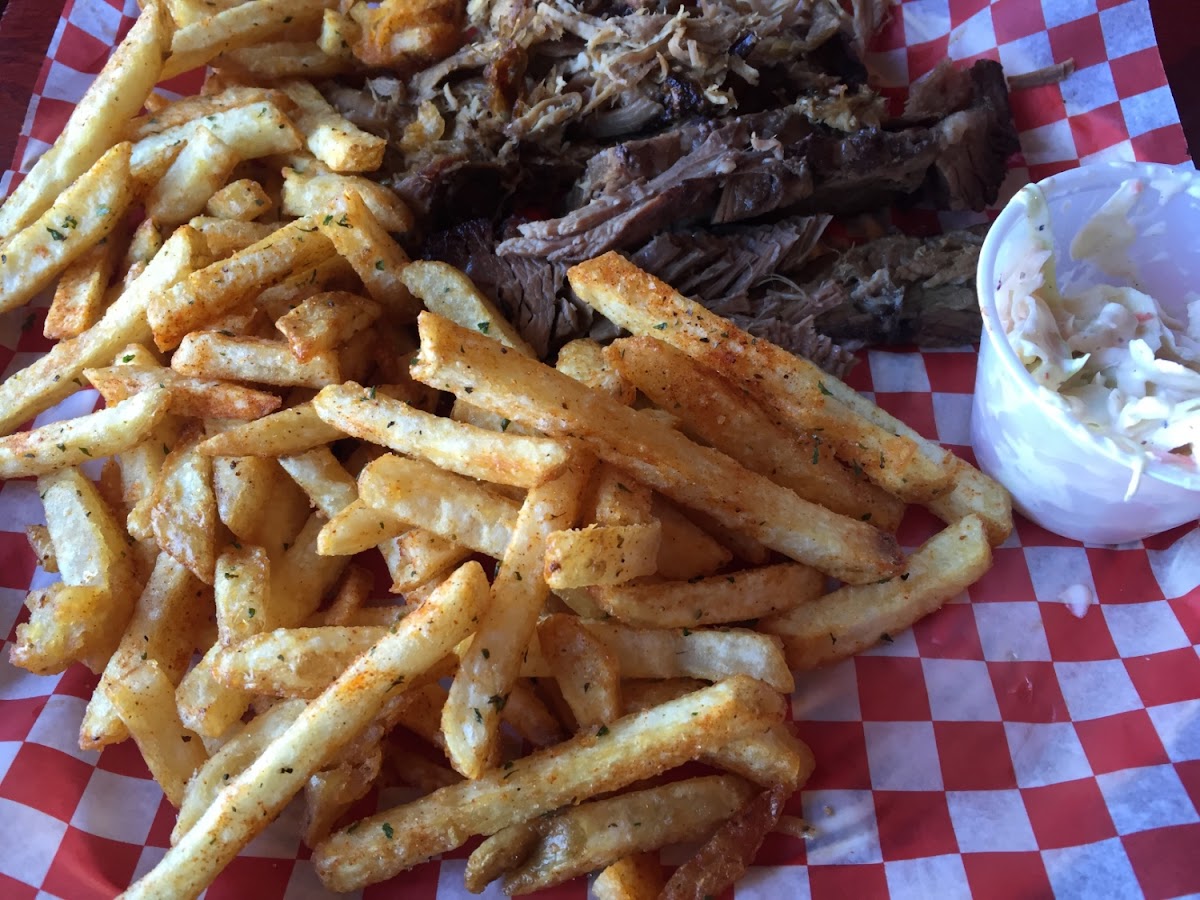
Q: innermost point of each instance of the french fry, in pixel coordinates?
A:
(976, 494)
(188, 396)
(140, 467)
(312, 659)
(205, 705)
(74, 441)
(42, 547)
(737, 597)
(282, 59)
(449, 505)
(450, 294)
(79, 295)
(377, 259)
(487, 672)
(56, 375)
(337, 143)
(725, 857)
(404, 35)
(703, 653)
(265, 787)
(421, 556)
(201, 167)
(595, 834)
(219, 288)
(617, 499)
(500, 853)
(686, 550)
(96, 123)
(586, 362)
(330, 792)
(243, 201)
(601, 554)
(453, 358)
(162, 629)
(243, 577)
(145, 700)
(360, 526)
(184, 515)
(584, 766)
(208, 354)
(587, 671)
(351, 598)
(469, 451)
(330, 274)
(225, 237)
(325, 320)
(638, 877)
(194, 109)
(79, 218)
(285, 433)
(715, 412)
(60, 630)
(230, 761)
(854, 618)
(326, 482)
(200, 42)
(244, 487)
(144, 245)
(529, 716)
(306, 193)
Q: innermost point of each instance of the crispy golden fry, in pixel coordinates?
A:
(587, 671)
(95, 124)
(188, 396)
(854, 618)
(500, 853)
(729, 852)
(329, 793)
(585, 361)
(79, 295)
(61, 628)
(244, 487)
(449, 505)
(282, 59)
(405, 34)
(601, 832)
(325, 320)
(529, 716)
(162, 629)
(56, 375)
(737, 597)
(686, 550)
(219, 288)
(144, 245)
(42, 547)
(243, 200)
(198, 43)
(285, 433)
(80, 217)
(419, 772)
(195, 109)
(243, 577)
(793, 389)
(584, 766)
(209, 354)
(454, 446)
(140, 467)
(360, 526)
(201, 167)
(205, 705)
(312, 659)
(617, 499)
(145, 700)
(377, 259)
(184, 515)
(450, 294)
(976, 494)
(717, 413)
(74, 441)
(225, 237)
(305, 193)
(601, 554)
(231, 760)
(453, 358)
(302, 578)
(421, 556)
(326, 482)
(347, 606)
(637, 877)
(337, 143)
(259, 793)
(705, 653)
(487, 672)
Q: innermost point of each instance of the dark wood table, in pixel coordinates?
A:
(26, 27)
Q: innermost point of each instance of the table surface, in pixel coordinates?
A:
(26, 27)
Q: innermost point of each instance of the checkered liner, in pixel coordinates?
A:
(1003, 748)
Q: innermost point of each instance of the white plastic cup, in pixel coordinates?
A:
(1061, 475)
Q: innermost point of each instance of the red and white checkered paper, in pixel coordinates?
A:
(1002, 748)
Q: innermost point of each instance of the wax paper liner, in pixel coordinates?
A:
(1005, 747)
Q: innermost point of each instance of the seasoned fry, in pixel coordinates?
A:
(61, 629)
(377, 259)
(195, 109)
(225, 237)
(201, 167)
(243, 200)
(487, 672)
(450, 294)
(581, 767)
(601, 554)
(74, 441)
(795, 390)
(188, 396)
(601, 832)
(329, 793)
(453, 358)
(337, 143)
(976, 494)
(184, 515)
(637, 877)
(326, 482)
(80, 217)
(360, 526)
(311, 659)
(285, 433)
(587, 671)
(259, 793)
(853, 618)
(500, 853)
(449, 505)
(42, 547)
(457, 447)
(96, 123)
(729, 852)
(79, 295)
(529, 716)
(243, 577)
(325, 320)
(209, 354)
(305, 193)
(302, 578)
(586, 361)
(617, 499)
(205, 705)
(686, 550)
(282, 59)
(737, 597)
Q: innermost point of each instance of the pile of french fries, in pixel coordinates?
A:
(677, 521)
